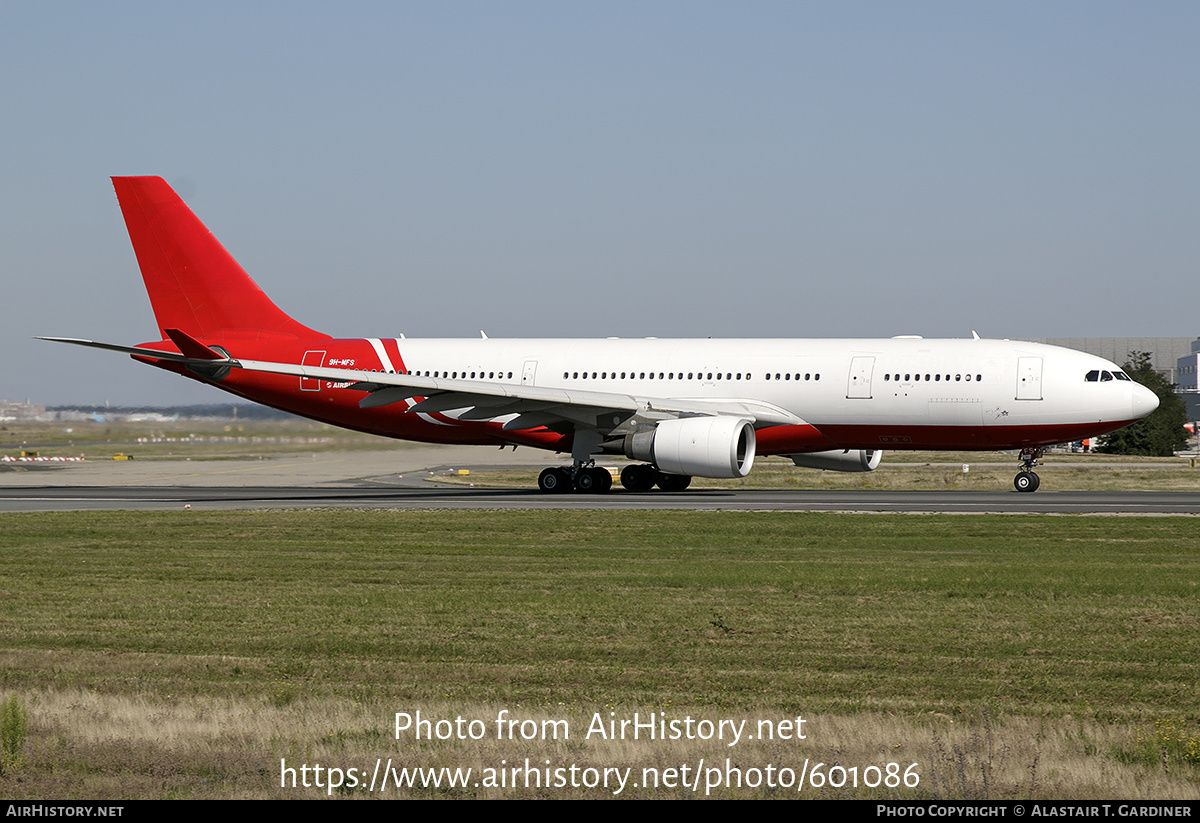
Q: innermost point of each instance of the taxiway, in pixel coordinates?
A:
(401, 478)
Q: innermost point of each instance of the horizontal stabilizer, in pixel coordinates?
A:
(193, 348)
(137, 351)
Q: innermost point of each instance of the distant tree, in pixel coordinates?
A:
(1162, 432)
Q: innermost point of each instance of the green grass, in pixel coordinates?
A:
(557, 604)
(14, 727)
(1078, 623)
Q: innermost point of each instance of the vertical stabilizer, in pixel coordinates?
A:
(194, 284)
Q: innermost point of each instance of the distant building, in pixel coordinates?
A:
(1188, 369)
(1188, 382)
(15, 410)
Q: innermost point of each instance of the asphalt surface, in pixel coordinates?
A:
(400, 478)
(251, 497)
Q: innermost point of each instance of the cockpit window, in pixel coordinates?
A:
(1120, 375)
(1093, 376)
(1105, 376)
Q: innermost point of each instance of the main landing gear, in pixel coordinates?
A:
(641, 477)
(585, 479)
(1026, 479)
(592, 479)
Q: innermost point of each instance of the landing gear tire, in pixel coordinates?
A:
(554, 481)
(593, 480)
(606, 480)
(639, 477)
(1027, 481)
(673, 482)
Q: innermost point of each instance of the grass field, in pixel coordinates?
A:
(185, 654)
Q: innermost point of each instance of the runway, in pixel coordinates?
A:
(400, 478)
(201, 498)
(137, 498)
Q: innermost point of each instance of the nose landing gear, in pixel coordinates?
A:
(1026, 479)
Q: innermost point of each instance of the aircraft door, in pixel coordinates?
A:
(1029, 378)
(859, 383)
(313, 359)
(529, 372)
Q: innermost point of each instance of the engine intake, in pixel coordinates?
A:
(720, 446)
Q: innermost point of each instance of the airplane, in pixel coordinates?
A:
(682, 408)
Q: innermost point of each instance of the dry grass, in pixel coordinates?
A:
(88, 745)
(182, 440)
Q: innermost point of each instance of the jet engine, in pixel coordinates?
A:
(840, 460)
(720, 446)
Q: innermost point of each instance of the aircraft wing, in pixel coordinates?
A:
(481, 400)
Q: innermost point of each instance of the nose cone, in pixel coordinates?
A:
(1144, 401)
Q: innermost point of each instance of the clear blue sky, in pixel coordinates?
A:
(591, 169)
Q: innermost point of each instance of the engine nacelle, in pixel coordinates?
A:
(720, 446)
(840, 460)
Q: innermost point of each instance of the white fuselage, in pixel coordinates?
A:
(840, 386)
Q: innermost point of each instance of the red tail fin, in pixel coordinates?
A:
(194, 284)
